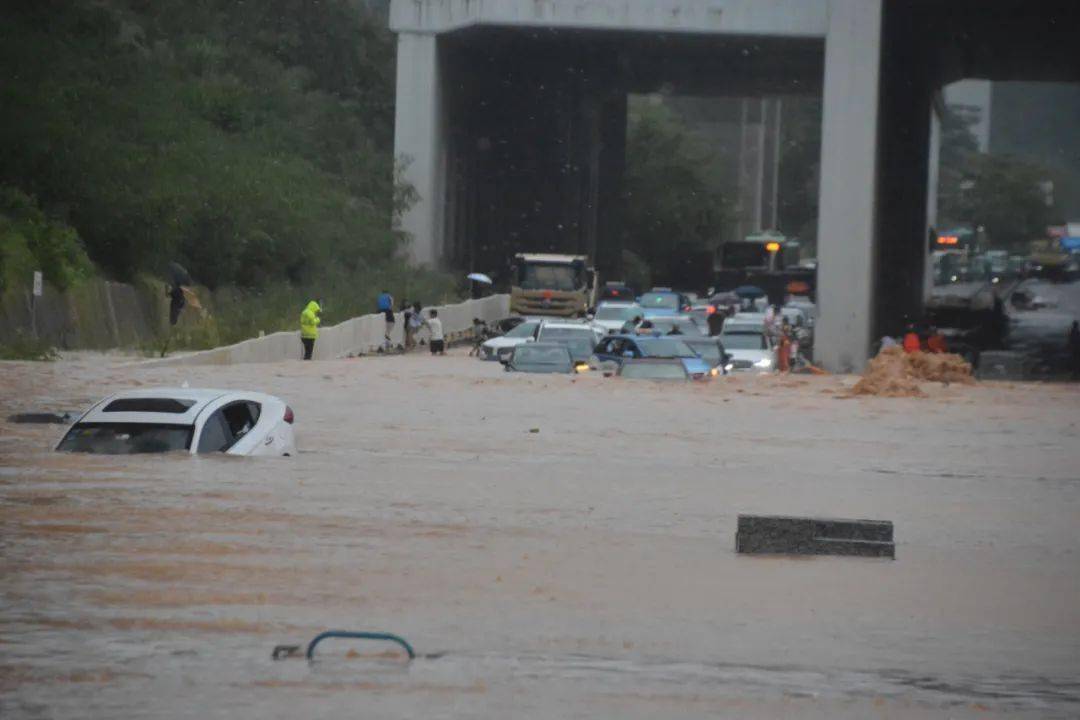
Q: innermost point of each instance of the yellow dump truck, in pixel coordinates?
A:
(548, 284)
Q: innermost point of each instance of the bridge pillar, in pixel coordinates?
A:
(419, 142)
(846, 219)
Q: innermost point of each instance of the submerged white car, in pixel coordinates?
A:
(184, 420)
(750, 350)
(611, 316)
(523, 333)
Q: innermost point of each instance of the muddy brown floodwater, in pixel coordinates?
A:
(585, 570)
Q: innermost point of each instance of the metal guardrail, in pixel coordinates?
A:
(284, 651)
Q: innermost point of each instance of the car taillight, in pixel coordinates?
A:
(712, 309)
(288, 415)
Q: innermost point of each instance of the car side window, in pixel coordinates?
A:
(227, 425)
(241, 417)
(215, 436)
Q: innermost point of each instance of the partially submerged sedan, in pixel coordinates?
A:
(184, 420)
(540, 358)
(654, 369)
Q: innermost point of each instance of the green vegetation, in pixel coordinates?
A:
(22, 347)
(251, 142)
(671, 206)
(29, 241)
(233, 314)
(1002, 194)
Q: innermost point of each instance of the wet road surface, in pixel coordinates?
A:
(586, 570)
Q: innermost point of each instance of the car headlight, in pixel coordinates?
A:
(713, 372)
(764, 363)
(729, 367)
(581, 367)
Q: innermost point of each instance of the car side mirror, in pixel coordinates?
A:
(530, 339)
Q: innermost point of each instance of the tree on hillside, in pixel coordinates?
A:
(800, 169)
(959, 147)
(250, 141)
(670, 206)
(1006, 198)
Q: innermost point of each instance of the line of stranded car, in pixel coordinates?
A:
(663, 335)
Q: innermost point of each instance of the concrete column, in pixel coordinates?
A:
(933, 178)
(846, 220)
(419, 143)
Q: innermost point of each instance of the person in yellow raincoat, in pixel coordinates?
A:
(309, 326)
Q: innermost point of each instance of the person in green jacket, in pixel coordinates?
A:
(309, 326)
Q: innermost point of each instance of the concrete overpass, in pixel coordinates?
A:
(511, 120)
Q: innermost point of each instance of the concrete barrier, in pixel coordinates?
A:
(779, 535)
(362, 334)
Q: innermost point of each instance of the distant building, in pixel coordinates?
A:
(1031, 120)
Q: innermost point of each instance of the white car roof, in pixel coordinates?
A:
(617, 304)
(566, 324)
(199, 397)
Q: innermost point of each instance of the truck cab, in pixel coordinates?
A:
(551, 284)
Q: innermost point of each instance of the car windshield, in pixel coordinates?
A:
(661, 300)
(533, 355)
(126, 438)
(562, 333)
(686, 326)
(525, 329)
(608, 312)
(707, 349)
(579, 347)
(745, 341)
(543, 276)
(665, 347)
(653, 371)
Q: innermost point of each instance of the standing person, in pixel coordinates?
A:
(385, 305)
(309, 326)
(406, 323)
(783, 348)
(1074, 349)
(416, 321)
(937, 343)
(438, 344)
(480, 334)
(912, 343)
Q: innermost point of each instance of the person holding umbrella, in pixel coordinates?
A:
(476, 283)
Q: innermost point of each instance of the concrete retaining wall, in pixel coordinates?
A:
(96, 314)
(362, 334)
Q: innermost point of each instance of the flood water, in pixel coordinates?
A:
(585, 570)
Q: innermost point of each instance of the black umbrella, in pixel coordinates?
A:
(749, 291)
(178, 275)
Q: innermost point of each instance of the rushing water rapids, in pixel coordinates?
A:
(585, 570)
